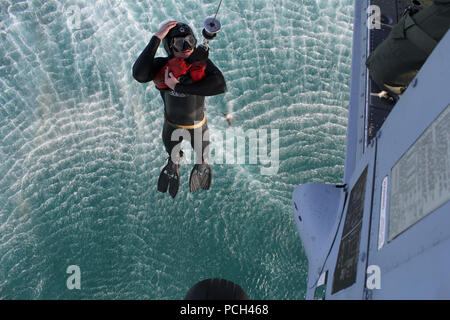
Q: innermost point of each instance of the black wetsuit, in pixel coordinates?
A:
(186, 103)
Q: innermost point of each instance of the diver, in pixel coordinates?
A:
(398, 59)
(184, 78)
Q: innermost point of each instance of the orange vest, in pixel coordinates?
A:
(179, 67)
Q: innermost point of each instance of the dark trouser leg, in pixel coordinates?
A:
(201, 147)
(169, 144)
(200, 177)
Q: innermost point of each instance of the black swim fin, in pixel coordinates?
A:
(201, 176)
(169, 178)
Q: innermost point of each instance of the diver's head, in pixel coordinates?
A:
(180, 42)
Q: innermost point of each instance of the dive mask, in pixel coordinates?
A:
(184, 43)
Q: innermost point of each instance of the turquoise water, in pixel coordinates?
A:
(81, 149)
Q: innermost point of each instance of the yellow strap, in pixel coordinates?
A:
(194, 126)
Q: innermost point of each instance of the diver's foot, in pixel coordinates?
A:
(169, 178)
(201, 176)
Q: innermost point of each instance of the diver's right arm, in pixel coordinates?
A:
(146, 66)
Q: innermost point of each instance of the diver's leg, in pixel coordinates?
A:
(200, 143)
(201, 174)
(170, 143)
(170, 175)
(205, 143)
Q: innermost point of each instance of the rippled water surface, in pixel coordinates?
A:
(81, 149)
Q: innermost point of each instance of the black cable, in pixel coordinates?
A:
(217, 11)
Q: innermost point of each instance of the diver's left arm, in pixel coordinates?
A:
(212, 84)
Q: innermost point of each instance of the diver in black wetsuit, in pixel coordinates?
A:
(184, 78)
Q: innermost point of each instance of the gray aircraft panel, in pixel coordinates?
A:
(355, 130)
(418, 258)
(415, 263)
(355, 290)
(420, 180)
